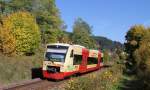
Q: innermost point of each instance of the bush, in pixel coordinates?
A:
(19, 33)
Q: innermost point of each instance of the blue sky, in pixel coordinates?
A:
(109, 18)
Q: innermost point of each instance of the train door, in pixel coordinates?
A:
(68, 66)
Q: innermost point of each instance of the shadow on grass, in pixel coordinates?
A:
(132, 84)
(37, 73)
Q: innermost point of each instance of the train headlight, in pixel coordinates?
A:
(62, 69)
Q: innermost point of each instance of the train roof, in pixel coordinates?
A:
(64, 44)
(79, 46)
(61, 44)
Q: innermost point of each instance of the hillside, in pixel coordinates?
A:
(103, 42)
(106, 43)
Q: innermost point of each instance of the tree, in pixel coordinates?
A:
(133, 38)
(46, 14)
(81, 34)
(65, 38)
(142, 57)
(23, 33)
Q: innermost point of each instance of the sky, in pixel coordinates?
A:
(109, 18)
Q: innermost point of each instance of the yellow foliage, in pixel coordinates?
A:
(8, 42)
(19, 33)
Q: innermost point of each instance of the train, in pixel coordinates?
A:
(64, 60)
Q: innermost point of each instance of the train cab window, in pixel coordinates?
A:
(71, 54)
(77, 59)
(92, 60)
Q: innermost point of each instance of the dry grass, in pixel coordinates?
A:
(15, 69)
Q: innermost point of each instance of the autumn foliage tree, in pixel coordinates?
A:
(133, 38)
(142, 57)
(138, 50)
(45, 11)
(19, 33)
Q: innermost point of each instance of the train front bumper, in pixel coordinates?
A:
(56, 76)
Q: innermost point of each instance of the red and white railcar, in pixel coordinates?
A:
(62, 60)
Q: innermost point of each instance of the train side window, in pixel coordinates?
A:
(92, 60)
(71, 54)
(77, 59)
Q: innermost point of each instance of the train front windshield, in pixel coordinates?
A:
(56, 53)
(55, 57)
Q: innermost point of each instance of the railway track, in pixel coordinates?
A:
(39, 84)
(35, 84)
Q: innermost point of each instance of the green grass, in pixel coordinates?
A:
(15, 69)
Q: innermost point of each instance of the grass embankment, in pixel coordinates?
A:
(15, 69)
(108, 79)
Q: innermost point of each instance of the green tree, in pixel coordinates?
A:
(82, 34)
(23, 31)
